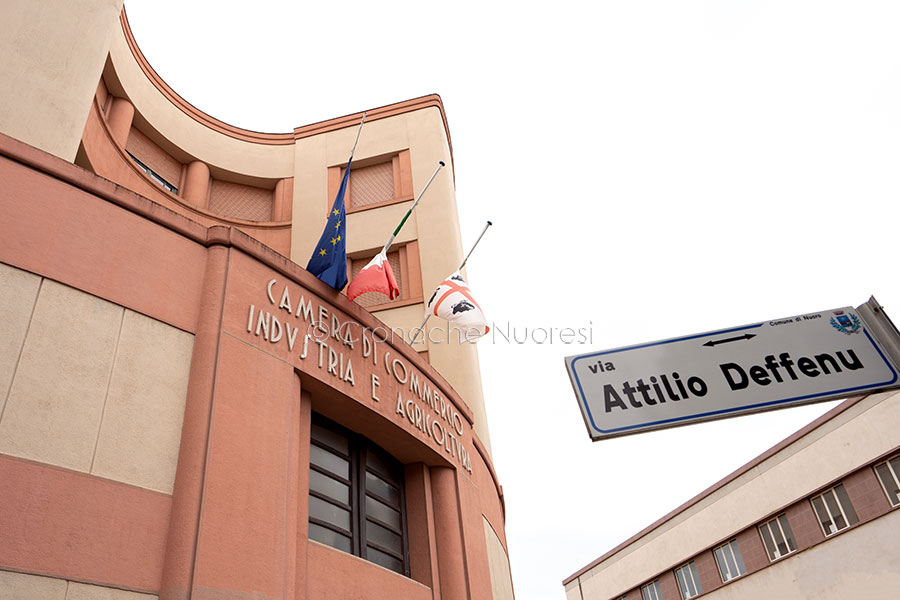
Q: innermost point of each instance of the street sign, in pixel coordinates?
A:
(769, 365)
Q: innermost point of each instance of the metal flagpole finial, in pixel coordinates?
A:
(466, 259)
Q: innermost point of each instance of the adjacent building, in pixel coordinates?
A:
(813, 517)
(185, 412)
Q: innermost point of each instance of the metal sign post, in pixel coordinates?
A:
(764, 366)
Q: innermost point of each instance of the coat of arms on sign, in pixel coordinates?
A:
(845, 323)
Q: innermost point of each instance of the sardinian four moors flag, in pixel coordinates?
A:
(453, 301)
(376, 276)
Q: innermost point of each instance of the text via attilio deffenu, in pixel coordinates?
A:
(660, 388)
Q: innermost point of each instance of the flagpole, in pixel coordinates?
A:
(411, 208)
(483, 231)
(358, 132)
(465, 260)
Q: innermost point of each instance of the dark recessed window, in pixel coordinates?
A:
(730, 561)
(777, 536)
(153, 174)
(651, 591)
(688, 581)
(356, 499)
(889, 476)
(834, 510)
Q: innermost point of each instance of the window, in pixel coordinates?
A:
(151, 158)
(153, 174)
(374, 182)
(834, 510)
(889, 475)
(371, 185)
(240, 201)
(730, 561)
(651, 591)
(778, 537)
(356, 500)
(688, 581)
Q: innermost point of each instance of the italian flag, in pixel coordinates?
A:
(376, 276)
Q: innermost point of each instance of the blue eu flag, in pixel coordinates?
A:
(329, 259)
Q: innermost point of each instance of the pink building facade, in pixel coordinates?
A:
(185, 411)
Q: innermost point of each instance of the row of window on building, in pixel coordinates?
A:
(370, 186)
(833, 510)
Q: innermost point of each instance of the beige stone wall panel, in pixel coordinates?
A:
(59, 389)
(18, 293)
(141, 431)
(75, 362)
(21, 586)
(369, 229)
(83, 591)
(501, 577)
(50, 68)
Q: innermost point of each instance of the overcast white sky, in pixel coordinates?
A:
(652, 169)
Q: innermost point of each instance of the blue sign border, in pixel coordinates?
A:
(587, 409)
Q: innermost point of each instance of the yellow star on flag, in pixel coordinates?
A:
(322, 252)
(337, 225)
(333, 241)
(336, 212)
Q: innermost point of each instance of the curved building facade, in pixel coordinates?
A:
(185, 412)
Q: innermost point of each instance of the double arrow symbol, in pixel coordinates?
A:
(746, 336)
